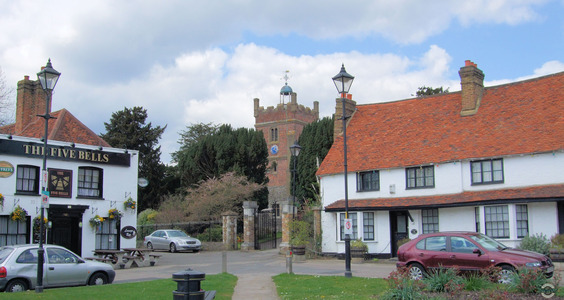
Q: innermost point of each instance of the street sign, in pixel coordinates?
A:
(348, 226)
(45, 199)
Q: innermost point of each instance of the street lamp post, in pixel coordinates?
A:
(343, 82)
(295, 151)
(48, 78)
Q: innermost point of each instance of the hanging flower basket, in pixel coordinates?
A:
(18, 214)
(129, 204)
(114, 214)
(1, 200)
(95, 221)
(37, 223)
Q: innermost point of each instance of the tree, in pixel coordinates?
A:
(209, 199)
(428, 91)
(316, 140)
(6, 103)
(194, 134)
(127, 129)
(242, 151)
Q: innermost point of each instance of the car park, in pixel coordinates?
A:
(466, 251)
(18, 268)
(172, 240)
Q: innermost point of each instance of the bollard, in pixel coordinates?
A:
(224, 262)
(289, 262)
(188, 285)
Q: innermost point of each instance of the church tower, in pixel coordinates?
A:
(281, 127)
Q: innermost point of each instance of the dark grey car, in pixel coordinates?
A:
(172, 240)
(18, 268)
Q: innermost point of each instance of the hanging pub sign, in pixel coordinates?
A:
(60, 183)
(128, 232)
(6, 169)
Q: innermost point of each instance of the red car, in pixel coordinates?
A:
(467, 251)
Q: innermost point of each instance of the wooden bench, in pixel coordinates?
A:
(209, 295)
(154, 258)
(100, 259)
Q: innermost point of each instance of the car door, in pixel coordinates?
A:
(63, 268)
(433, 252)
(160, 240)
(462, 256)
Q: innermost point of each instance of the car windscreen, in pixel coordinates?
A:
(4, 252)
(177, 234)
(488, 243)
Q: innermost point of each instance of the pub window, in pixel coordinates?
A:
(368, 226)
(368, 181)
(522, 217)
(430, 220)
(13, 232)
(27, 181)
(90, 182)
(420, 177)
(487, 171)
(352, 216)
(273, 134)
(107, 235)
(497, 221)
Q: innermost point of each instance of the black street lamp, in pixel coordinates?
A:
(343, 82)
(295, 151)
(48, 78)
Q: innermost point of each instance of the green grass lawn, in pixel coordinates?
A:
(224, 284)
(328, 287)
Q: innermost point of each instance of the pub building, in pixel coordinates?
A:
(91, 201)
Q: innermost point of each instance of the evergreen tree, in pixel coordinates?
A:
(316, 139)
(428, 91)
(127, 129)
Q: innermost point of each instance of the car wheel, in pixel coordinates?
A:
(16, 285)
(98, 279)
(172, 247)
(149, 245)
(505, 274)
(416, 271)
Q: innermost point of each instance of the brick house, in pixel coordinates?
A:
(86, 177)
(485, 159)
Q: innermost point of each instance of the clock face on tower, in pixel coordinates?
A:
(274, 149)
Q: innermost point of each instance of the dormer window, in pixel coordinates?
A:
(420, 177)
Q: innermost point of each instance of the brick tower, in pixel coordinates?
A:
(282, 126)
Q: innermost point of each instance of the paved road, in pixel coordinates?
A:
(267, 262)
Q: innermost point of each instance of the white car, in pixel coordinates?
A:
(18, 268)
(172, 240)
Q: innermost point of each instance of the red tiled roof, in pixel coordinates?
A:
(65, 128)
(518, 118)
(537, 193)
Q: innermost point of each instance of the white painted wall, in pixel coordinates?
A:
(120, 182)
(450, 178)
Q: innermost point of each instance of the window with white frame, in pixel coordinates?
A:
(487, 171)
(522, 218)
(420, 177)
(368, 181)
(497, 221)
(353, 217)
(90, 182)
(27, 180)
(368, 226)
(430, 220)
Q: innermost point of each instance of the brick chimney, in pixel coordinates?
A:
(350, 107)
(472, 82)
(30, 103)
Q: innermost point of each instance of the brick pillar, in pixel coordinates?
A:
(229, 230)
(286, 212)
(249, 211)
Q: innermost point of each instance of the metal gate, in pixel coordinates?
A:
(266, 230)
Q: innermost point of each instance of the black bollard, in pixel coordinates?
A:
(188, 285)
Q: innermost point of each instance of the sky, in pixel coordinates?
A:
(189, 62)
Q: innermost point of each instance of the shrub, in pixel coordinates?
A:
(211, 234)
(557, 241)
(537, 242)
(527, 281)
(444, 280)
(477, 282)
(402, 287)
